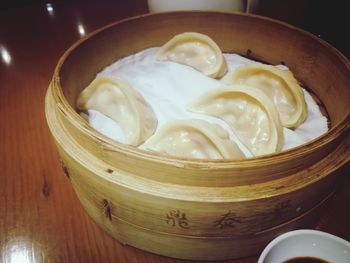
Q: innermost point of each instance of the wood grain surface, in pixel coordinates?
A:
(41, 219)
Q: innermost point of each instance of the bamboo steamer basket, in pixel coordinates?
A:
(200, 209)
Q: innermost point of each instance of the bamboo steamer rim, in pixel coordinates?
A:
(341, 129)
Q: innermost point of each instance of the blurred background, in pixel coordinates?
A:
(326, 19)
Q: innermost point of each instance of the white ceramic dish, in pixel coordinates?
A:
(306, 243)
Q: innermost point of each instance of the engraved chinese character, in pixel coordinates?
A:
(174, 218)
(227, 220)
(107, 209)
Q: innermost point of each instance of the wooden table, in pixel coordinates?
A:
(41, 219)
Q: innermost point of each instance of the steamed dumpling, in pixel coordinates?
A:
(279, 85)
(250, 114)
(196, 50)
(193, 139)
(119, 101)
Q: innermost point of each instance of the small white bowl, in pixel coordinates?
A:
(306, 243)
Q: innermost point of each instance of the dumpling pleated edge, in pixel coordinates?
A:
(288, 78)
(216, 136)
(144, 116)
(276, 144)
(220, 68)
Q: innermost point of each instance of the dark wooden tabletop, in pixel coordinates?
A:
(41, 219)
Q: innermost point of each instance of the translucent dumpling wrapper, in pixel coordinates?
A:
(249, 112)
(278, 84)
(196, 50)
(193, 139)
(122, 103)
